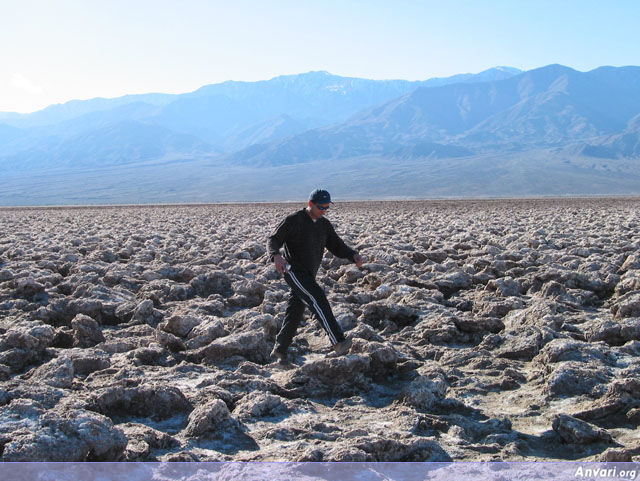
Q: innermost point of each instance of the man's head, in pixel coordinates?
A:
(319, 201)
(320, 196)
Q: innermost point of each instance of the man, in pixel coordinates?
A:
(304, 235)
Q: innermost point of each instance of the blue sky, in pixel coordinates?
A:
(57, 50)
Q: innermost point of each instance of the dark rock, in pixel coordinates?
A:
(629, 306)
(176, 273)
(63, 338)
(124, 312)
(455, 302)
(614, 333)
(247, 294)
(24, 344)
(559, 350)
(376, 312)
(340, 376)
(27, 288)
(86, 361)
(633, 415)
(171, 342)
(58, 372)
(575, 431)
(35, 434)
(504, 287)
(45, 396)
(479, 324)
(28, 335)
(216, 282)
(250, 345)
(571, 378)
(619, 455)
(153, 355)
(143, 439)
(336, 370)
(179, 457)
(524, 345)
(210, 419)
(436, 255)
(259, 405)
(6, 274)
(632, 262)
(366, 332)
(383, 359)
(540, 313)
(490, 307)
(204, 333)
(424, 392)
(453, 282)
(145, 312)
(390, 450)
(180, 324)
(621, 396)
(629, 282)
(148, 400)
(86, 331)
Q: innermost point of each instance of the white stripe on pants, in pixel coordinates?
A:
(315, 307)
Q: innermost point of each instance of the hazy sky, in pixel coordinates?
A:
(52, 51)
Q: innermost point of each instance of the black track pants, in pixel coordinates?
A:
(305, 291)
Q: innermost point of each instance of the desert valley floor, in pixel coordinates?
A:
(482, 330)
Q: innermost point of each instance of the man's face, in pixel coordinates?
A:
(317, 210)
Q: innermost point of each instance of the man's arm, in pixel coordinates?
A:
(338, 248)
(278, 238)
(275, 242)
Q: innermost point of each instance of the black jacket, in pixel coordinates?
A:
(304, 241)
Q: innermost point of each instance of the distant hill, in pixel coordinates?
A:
(543, 108)
(54, 114)
(490, 75)
(625, 144)
(501, 132)
(9, 133)
(121, 143)
(227, 117)
(270, 130)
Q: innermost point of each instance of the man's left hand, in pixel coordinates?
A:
(358, 260)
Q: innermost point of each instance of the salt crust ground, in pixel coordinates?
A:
(482, 330)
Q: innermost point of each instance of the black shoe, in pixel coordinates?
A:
(281, 355)
(342, 347)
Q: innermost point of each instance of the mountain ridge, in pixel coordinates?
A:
(220, 115)
(548, 107)
(500, 132)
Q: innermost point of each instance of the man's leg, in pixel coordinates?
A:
(292, 318)
(306, 287)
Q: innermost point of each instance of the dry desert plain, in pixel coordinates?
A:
(482, 330)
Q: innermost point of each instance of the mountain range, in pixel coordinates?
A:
(551, 107)
(588, 120)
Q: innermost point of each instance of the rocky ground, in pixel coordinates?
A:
(481, 330)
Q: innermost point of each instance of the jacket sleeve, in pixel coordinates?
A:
(336, 245)
(278, 238)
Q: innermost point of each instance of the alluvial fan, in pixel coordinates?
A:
(502, 329)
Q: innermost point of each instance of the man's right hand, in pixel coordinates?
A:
(280, 263)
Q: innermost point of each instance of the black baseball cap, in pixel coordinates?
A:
(320, 196)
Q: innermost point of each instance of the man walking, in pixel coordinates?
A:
(304, 235)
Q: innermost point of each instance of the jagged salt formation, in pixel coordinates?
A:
(482, 330)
